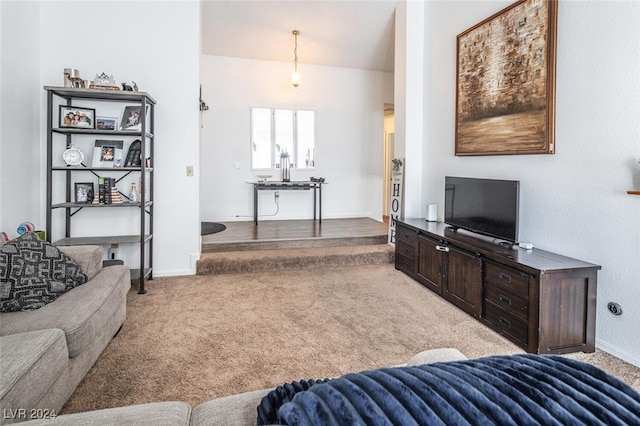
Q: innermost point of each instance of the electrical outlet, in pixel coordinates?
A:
(189, 170)
(276, 196)
(614, 308)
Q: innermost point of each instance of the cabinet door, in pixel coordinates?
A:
(431, 267)
(463, 282)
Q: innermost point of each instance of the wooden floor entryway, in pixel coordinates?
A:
(287, 234)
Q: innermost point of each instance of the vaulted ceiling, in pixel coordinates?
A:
(351, 34)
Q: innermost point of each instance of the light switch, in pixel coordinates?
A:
(189, 170)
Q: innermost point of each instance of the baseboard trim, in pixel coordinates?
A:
(175, 273)
(600, 344)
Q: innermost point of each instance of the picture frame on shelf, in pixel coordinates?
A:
(106, 123)
(131, 118)
(76, 117)
(107, 153)
(84, 192)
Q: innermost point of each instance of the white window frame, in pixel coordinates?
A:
(295, 131)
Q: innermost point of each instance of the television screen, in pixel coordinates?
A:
(484, 206)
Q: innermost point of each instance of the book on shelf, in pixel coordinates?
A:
(107, 192)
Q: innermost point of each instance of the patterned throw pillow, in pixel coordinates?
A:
(33, 273)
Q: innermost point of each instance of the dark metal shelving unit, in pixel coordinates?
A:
(145, 205)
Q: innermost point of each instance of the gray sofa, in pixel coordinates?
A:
(45, 353)
(234, 410)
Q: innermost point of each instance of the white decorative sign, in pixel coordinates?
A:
(397, 192)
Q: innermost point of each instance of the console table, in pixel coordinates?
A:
(541, 301)
(289, 186)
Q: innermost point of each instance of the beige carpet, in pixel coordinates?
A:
(202, 337)
(295, 259)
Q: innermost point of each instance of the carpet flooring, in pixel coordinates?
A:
(300, 258)
(202, 337)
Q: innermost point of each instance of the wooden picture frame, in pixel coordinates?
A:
(505, 82)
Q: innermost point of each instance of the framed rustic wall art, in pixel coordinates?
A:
(505, 86)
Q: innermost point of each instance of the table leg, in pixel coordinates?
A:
(255, 204)
(315, 194)
(320, 202)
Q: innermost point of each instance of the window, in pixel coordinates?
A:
(275, 131)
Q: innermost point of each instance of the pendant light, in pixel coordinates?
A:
(295, 77)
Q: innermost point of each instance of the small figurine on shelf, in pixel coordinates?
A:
(133, 195)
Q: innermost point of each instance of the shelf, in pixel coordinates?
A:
(633, 192)
(76, 131)
(91, 205)
(107, 95)
(100, 169)
(57, 134)
(111, 239)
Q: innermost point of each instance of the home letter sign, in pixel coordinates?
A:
(397, 190)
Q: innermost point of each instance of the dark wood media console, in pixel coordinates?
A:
(541, 301)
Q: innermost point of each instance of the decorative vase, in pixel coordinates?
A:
(133, 195)
(285, 166)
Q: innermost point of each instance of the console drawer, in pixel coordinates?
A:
(514, 281)
(506, 323)
(511, 303)
(405, 249)
(406, 236)
(406, 264)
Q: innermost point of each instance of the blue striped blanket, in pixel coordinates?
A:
(498, 390)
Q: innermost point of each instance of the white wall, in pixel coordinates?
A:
(19, 116)
(409, 67)
(349, 107)
(156, 44)
(573, 202)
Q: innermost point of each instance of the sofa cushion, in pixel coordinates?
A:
(30, 363)
(233, 410)
(89, 258)
(80, 313)
(436, 355)
(34, 273)
(152, 414)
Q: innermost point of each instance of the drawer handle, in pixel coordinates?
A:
(504, 322)
(442, 248)
(504, 299)
(505, 277)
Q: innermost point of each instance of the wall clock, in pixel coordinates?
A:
(73, 156)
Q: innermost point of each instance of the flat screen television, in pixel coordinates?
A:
(485, 206)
